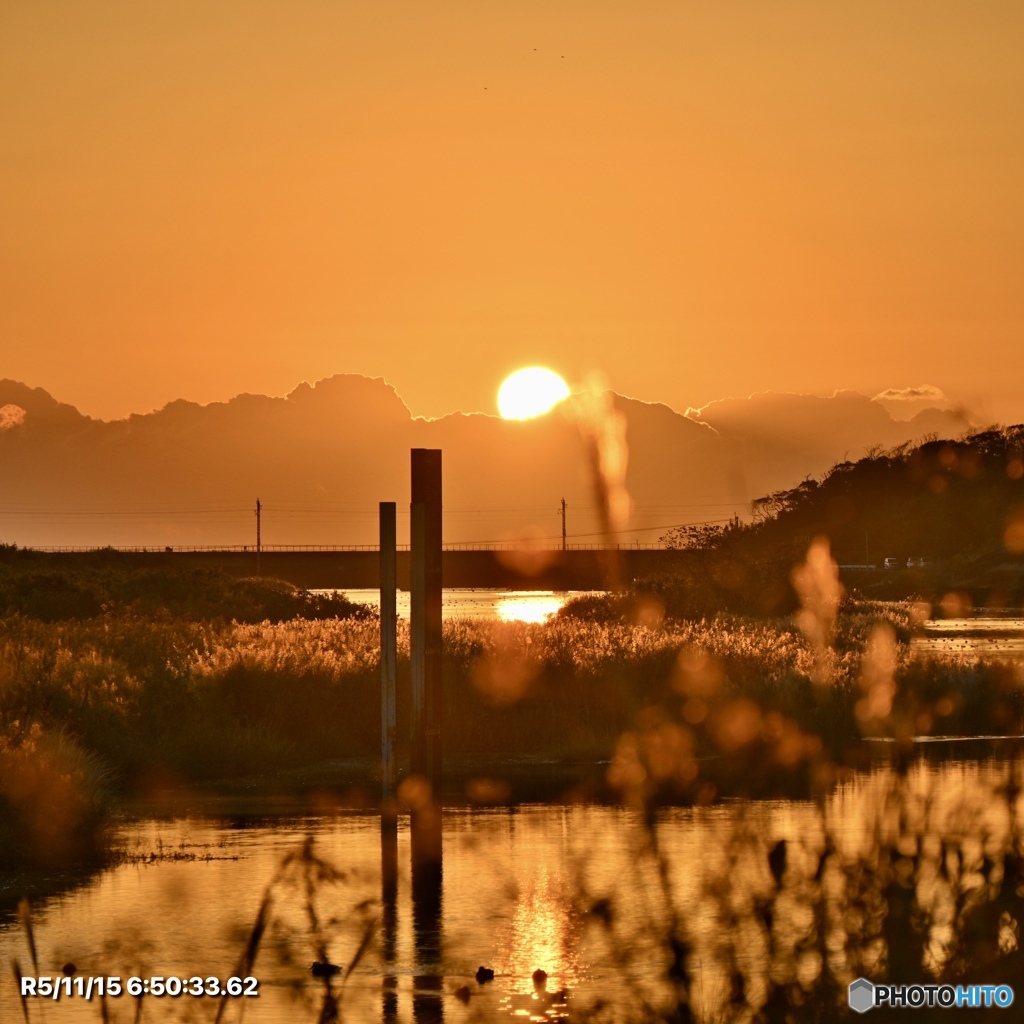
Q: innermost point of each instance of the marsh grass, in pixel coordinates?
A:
(202, 701)
(139, 853)
(54, 798)
(132, 702)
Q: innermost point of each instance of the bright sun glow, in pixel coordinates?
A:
(530, 392)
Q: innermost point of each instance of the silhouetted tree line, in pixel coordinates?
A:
(57, 587)
(956, 504)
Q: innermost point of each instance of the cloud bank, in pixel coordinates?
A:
(922, 393)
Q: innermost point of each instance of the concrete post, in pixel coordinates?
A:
(425, 616)
(425, 622)
(388, 662)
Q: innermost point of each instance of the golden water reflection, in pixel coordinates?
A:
(529, 607)
(504, 605)
(972, 637)
(570, 890)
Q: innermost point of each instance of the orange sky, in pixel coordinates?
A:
(697, 199)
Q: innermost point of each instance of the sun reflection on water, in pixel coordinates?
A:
(457, 603)
(540, 936)
(536, 606)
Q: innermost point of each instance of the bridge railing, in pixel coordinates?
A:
(326, 548)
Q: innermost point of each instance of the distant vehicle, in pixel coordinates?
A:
(892, 563)
(917, 563)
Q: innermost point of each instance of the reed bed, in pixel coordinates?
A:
(157, 701)
(147, 694)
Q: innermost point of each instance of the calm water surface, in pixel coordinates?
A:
(516, 886)
(504, 605)
(1001, 636)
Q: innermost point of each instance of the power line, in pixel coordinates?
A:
(342, 510)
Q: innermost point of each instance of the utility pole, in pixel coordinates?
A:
(563, 523)
(259, 546)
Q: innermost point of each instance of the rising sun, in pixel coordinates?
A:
(529, 392)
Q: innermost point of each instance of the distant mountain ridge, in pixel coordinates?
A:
(323, 456)
(797, 436)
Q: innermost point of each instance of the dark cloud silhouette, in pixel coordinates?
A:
(322, 457)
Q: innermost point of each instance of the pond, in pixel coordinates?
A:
(502, 605)
(577, 891)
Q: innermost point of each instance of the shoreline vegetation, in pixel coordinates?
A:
(137, 700)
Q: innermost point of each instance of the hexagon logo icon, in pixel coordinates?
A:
(861, 996)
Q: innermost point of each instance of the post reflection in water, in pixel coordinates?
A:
(389, 913)
(427, 907)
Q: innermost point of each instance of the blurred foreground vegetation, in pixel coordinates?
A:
(124, 702)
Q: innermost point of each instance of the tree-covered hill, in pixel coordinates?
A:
(955, 505)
